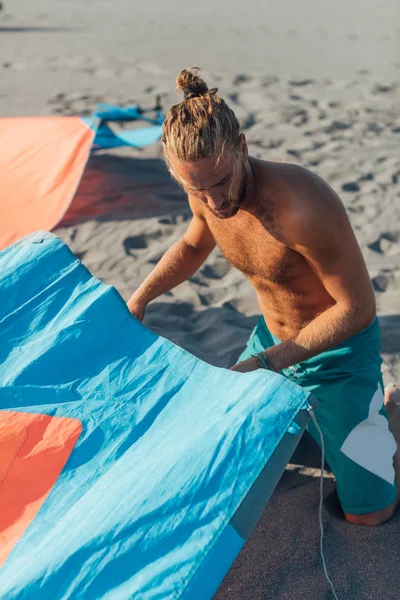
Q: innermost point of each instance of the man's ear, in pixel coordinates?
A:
(243, 146)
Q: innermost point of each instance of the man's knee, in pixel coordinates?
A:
(373, 519)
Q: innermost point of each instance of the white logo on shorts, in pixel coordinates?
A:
(371, 444)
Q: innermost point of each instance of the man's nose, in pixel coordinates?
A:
(215, 200)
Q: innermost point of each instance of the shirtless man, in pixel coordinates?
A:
(288, 232)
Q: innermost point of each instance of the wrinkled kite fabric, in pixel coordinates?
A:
(128, 467)
(42, 160)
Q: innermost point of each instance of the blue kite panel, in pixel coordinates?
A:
(137, 138)
(109, 112)
(170, 446)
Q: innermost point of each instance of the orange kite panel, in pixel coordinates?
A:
(41, 162)
(33, 451)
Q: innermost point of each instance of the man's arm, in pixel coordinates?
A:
(317, 227)
(179, 263)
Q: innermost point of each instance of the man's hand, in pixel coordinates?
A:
(245, 366)
(136, 307)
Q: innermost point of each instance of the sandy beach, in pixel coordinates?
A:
(317, 85)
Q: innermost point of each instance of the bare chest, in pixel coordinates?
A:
(250, 247)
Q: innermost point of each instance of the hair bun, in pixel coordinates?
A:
(191, 84)
(192, 93)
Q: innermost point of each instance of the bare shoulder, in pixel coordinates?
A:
(300, 190)
(305, 204)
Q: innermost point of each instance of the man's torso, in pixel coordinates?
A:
(289, 293)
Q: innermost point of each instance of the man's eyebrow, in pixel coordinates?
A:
(215, 184)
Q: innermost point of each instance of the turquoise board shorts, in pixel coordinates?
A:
(347, 381)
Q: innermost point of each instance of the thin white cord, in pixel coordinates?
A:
(321, 498)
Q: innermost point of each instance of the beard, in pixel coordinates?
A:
(234, 203)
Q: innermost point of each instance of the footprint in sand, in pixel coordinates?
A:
(350, 186)
(382, 281)
(136, 242)
(366, 177)
(338, 126)
(174, 220)
(383, 89)
(388, 243)
(300, 82)
(295, 116)
(242, 78)
(216, 271)
(141, 241)
(248, 121)
(212, 297)
(171, 220)
(268, 80)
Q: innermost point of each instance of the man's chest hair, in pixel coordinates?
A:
(253, 246)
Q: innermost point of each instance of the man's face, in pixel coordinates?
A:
(218, 183)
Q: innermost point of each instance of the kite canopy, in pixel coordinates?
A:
(42, 160)
(129, 468)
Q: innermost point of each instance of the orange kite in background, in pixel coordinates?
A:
(42, 160)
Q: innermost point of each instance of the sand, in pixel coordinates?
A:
(316, 85)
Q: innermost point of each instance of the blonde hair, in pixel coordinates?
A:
(200, 126)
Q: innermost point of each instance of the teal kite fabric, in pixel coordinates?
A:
(129, 468)
(137, 138)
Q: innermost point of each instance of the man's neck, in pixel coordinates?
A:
(250, 200)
